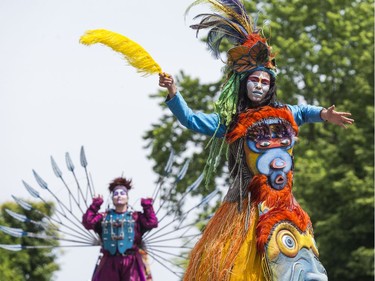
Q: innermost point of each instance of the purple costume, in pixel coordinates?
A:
(128, 266)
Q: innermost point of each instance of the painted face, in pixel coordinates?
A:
(268, 150)
(258, 85)
(119, 197)
(292, 255)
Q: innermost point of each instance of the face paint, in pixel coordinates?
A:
(258, 85)
(119, 192)
(120, 197)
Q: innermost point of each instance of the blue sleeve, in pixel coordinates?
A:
(305, 113)
(199, 122)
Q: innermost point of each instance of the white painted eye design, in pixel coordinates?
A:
(285, 142)
(264, 143)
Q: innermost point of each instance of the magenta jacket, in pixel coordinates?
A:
(144, 221)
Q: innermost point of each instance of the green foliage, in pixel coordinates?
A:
(325, 55)
(31, 264)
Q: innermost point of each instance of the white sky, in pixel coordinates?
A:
(56, 94)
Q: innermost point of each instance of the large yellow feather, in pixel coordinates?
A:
(133, 53)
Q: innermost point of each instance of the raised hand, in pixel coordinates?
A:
(167, 81)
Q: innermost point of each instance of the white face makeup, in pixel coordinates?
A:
(258, 85)
(120, 197)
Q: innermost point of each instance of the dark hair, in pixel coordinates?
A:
(120, 181)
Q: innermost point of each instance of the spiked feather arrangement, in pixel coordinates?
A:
(133, 53)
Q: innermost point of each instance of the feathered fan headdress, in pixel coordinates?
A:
(231, 22)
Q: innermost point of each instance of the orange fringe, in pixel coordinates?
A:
(261, 191)
(282, 204)
(267, 222)
(251, 116)
(213, 256)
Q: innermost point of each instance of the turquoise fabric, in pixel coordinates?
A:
(208, 123)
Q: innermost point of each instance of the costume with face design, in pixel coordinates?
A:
(261, 134)
(237, 245)
(292, 254)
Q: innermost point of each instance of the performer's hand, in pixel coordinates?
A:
(166, 81)
(97, 199)
(338, 118)
(146, 201)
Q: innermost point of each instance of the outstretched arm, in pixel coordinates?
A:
(207, 124)
(92, 217)
(305, 113)
(339, 118)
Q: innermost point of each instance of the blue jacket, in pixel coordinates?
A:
(207, 124)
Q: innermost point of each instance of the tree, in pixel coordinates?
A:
(325, 56)
(31, 264)
(327, 49)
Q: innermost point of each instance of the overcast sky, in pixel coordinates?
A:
(57, 95)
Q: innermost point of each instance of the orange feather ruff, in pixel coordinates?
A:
(296, 215)
(282, 206)
(251, 116)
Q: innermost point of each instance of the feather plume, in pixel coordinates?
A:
(232, 9)
(229, 21)
(133, 53)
